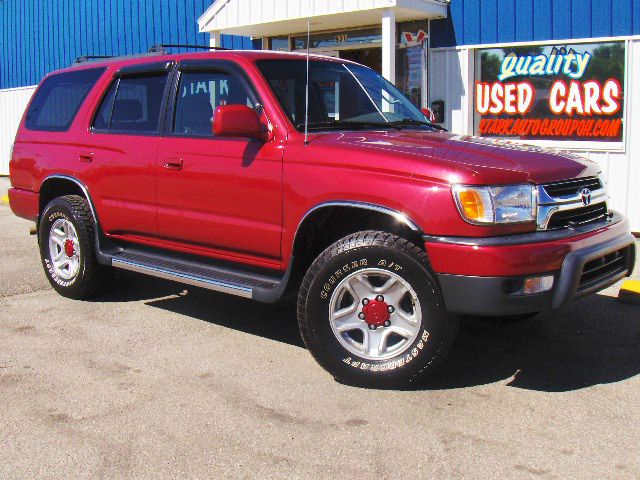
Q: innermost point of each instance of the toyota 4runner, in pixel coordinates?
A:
(196, 168)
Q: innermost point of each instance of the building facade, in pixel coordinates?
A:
(556, 73)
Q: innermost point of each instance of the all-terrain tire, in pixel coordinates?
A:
(90, 277)
(367, 254)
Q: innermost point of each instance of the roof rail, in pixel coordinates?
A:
(89, 58)
(86, 58)
(161, 48)
(158, 49)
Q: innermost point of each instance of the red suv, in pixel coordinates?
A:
(196, 168)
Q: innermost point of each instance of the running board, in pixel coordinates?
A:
(243, 284)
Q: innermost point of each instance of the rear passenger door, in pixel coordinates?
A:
(219, 194)
(125, 135)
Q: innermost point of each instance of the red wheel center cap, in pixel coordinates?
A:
(376, 313)
(69, 248)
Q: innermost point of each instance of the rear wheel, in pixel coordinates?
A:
(67, 248)
(371, 312)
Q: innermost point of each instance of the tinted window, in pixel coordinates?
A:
(132, 104)
(58, 99)
(200, 93)
(103, 117)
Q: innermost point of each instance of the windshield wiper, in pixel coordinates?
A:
(411, 121)
(337, 124)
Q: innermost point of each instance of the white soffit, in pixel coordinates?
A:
(262, 18)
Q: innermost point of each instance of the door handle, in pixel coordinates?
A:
(86, 157)
(173, 164)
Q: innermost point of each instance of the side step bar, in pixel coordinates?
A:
(208, 283)
(200, 274)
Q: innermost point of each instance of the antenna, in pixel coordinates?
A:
(306, 99)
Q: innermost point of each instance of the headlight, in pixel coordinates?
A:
(500, 204)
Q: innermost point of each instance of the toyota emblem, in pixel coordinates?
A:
(586, 196)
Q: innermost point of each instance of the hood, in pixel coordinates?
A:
(463, 159)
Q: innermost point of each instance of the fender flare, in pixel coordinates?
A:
(82, 187)
(105, 249)
(398, 216)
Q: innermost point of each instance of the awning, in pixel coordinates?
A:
(262, 18)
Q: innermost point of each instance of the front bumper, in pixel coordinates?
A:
(582, 261)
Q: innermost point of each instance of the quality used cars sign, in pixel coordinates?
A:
(560, 92)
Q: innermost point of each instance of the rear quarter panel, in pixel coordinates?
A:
(39, 154)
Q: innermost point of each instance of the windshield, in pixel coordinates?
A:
(341, 95)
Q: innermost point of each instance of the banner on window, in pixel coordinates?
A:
(555, 92)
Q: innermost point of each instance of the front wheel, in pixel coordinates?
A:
(371, 312)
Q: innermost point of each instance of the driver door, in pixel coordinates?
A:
(221, 195)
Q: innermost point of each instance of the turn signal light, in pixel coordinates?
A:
(474, 203)
(537, 284)
(471, 204)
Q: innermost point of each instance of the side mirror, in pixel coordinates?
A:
(236, 121)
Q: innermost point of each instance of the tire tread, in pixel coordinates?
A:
(364, 239)
(97, 276)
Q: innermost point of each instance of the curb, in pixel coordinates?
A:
(630, 292)
(4, 200)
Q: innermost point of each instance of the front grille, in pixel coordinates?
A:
(602, 268)
(572, 187)
(578, 216)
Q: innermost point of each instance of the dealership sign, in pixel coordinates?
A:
(555, 92)
(414, 39)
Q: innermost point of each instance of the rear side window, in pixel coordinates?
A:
(59, 98)
(103, 117)
(132, 104)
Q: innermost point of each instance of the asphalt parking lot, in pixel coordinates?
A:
(152, 380)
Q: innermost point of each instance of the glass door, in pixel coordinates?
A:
(411, 73)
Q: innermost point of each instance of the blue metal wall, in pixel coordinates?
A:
(38, 36)
(473, 22)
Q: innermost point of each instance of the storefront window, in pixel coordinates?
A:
(410, 66)
(570, 92)
(339, 39)
(411, 59)
(280, 44)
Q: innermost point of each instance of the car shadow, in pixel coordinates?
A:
(596, 340)
(127, 286)
(274, 322)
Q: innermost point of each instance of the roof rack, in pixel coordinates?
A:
(158, 49)
(161, 48)
(86, 58)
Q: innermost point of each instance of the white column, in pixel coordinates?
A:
(214, 40)
(389, 44)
